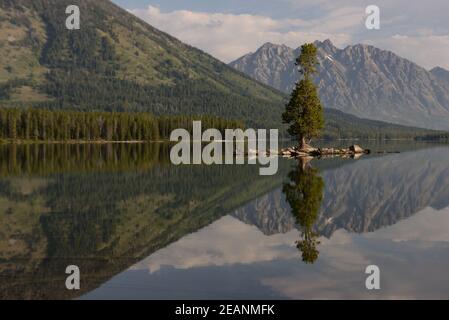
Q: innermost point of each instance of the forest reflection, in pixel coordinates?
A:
(304, 194)
(43, 159)
(104, 207)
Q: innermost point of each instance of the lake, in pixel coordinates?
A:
(139, 227)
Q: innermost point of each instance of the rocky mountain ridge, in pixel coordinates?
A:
(361, 80)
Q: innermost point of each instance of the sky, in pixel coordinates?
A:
(416, 30)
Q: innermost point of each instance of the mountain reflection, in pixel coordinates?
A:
(107, 207)
(103, 208)
(304, 194)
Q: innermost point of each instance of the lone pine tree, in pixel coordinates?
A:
(304, 111)
(304, 194)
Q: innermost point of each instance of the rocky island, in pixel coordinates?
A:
(297, 152)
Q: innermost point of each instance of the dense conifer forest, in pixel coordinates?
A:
(45, 125)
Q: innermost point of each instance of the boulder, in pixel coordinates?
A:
(302, 154)
(308, 149)
(356, 149)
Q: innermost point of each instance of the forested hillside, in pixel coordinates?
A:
(116, 62)
(340, 125)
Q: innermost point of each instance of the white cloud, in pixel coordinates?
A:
(417, 31)
(229, 36)
(426, 226)
(426, 50)
(227, 241)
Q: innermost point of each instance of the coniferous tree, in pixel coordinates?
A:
(304, 194)
(304, 111)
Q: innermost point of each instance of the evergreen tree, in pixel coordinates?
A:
(304, 111)
(304, 194)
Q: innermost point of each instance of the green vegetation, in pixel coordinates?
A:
(340, 125)
(44, 125)
(436, 136)
(304, 111)
(304, 194)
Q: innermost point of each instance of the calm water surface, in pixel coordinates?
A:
(141, 228)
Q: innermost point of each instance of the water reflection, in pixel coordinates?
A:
(44, 159)
(103, 208)
(304, 193)
(140, 227)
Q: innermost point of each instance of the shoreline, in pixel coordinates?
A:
(73, 142)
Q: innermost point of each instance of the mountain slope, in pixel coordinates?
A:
(441, 74)
(116, 62)
(345, 126)
(361, 80)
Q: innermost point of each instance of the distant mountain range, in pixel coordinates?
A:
(361, 80)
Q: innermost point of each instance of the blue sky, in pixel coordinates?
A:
(278, 8)
(229, 29)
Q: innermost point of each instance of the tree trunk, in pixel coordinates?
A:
(304, 163)
(303, 145)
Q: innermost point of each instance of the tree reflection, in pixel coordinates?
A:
(304, 193)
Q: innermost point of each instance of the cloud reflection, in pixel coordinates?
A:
(405, 253)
